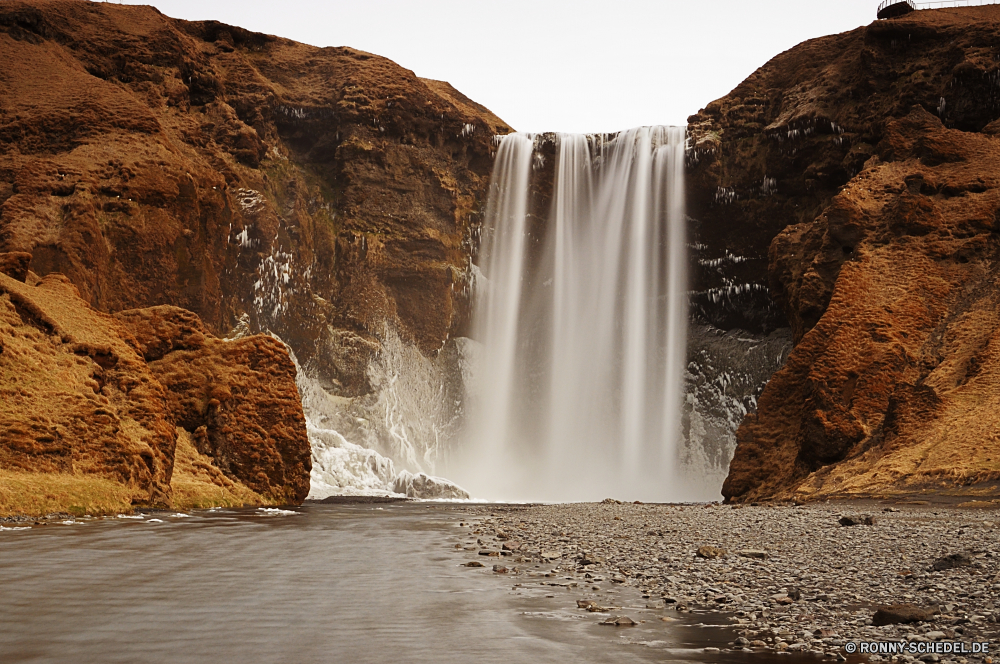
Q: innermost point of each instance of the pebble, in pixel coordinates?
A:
(800, 581)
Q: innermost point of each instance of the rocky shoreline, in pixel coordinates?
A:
(806, 579)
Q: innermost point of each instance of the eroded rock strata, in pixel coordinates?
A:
(99, 413)
(864, 167)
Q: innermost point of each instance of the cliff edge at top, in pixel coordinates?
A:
(862, 169)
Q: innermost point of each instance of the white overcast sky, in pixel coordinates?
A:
(541, 65)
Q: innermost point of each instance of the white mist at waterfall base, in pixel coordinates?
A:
(383, 423)
(581, 313)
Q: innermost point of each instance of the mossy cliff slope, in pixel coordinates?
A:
(864, 170)
(99, 413)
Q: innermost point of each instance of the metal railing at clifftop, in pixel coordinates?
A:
(894, 8)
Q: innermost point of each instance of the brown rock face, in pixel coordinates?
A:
(79, 400)
(323, 192)
(881, 221)
(238, 399)
(774, 152)
(15, 264)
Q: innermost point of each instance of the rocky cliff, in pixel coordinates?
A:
(318, 193)
(99, 413)
(861, 170)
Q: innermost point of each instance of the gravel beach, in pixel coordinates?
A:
(807, 578)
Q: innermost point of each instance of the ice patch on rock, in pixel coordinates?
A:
(422, 485)
(341, 468)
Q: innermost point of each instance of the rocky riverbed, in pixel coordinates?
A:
(807, 578)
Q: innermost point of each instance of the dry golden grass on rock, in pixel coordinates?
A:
(35, 494)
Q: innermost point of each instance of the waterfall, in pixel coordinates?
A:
(582, 316)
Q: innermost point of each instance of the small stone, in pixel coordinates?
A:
(857, 520)
(474, 563)
(951, 561)
(710, 552)
(753, 553)
(551, 555)
(591, 559)
(500, 569)
(620, 621)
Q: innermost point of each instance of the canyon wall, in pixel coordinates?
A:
(855, 177)
(197, 180)
(318, 193)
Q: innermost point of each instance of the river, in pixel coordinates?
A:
(319, 583)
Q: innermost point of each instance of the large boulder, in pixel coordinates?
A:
(89, 424)
(237, 398)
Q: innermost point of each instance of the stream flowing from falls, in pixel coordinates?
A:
(581, 315)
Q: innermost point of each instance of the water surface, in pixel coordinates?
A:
(321, 583)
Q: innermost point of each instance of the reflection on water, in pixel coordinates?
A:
(322, 583)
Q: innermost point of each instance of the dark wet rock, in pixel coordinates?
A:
(474, 563)
(500, 569)
(360, 500)
(857, 520)
(951, 561)
(620, 621)
(901, 614)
